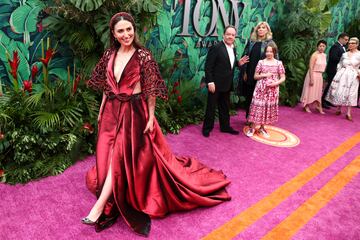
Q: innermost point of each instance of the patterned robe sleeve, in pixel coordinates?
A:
(152, 83)
(98, 76)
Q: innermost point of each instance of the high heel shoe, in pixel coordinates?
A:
(338, 112)
(87, 221)
(349, 117)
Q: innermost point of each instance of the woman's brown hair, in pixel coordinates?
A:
(114, 20)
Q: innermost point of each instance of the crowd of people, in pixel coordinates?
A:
(136, 175)
(261, 73)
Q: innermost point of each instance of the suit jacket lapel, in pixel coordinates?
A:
(341, 47)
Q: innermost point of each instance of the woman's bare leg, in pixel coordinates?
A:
(319, 107)
(98, 208)
(348, 111)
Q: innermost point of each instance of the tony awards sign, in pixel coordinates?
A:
(218, 9)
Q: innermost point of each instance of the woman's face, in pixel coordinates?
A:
(353, 45)
(321, 48)
(262, 31)
(269, 53)
(124, 33)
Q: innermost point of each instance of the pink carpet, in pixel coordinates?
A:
(51, 208)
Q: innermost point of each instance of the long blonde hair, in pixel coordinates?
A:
(254, 35)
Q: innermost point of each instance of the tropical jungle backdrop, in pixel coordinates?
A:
(49, 48)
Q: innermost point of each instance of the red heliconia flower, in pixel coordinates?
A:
(176, 84)
(39, 27)
(76, 83)
(34, 71)
(28, 86)
(181, 2)
(175, 91)
(48, 55)
(1, 172)
(87, 126)
(14, 64)
(179, 99)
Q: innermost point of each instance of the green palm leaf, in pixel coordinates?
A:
(101, 26)
(46, 120)
(91, 103)
(71, 115)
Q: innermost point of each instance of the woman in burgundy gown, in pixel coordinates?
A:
(136, 174)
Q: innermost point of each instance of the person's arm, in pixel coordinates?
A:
(243, 60)
(101, 106)
(258, 76)
(311, 68)
(151, 101)
(280, 81)
(244, 66)
(281, 72)
(97, 80)
(258, 72)
(209, 68)
(152, 85)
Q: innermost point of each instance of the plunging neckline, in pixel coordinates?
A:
(113, 67)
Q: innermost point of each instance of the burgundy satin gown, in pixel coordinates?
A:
(148, 181)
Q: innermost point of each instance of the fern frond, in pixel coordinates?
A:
(91, 103)
(71, 114)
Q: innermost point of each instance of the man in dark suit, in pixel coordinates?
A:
(335, 53)
(219, 73)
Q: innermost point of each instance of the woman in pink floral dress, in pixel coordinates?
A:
(269, 73)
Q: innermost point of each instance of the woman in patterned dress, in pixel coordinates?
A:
(344, 88)
(269, 73)
(313, 84)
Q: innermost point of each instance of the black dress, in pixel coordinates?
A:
(249, 85)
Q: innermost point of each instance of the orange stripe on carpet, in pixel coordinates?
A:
(249, 216)
(294, 222)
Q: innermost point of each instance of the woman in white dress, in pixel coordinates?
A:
(344, 88)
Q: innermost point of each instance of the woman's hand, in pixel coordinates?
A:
(266, 75)
(245, 77)
(211, 87)
(272, 84)
(311, 83)
(243, 60)
(149, 126)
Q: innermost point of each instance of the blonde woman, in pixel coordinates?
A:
(344, 88)
(260, 38)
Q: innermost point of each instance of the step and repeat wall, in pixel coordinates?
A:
(185, 30)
